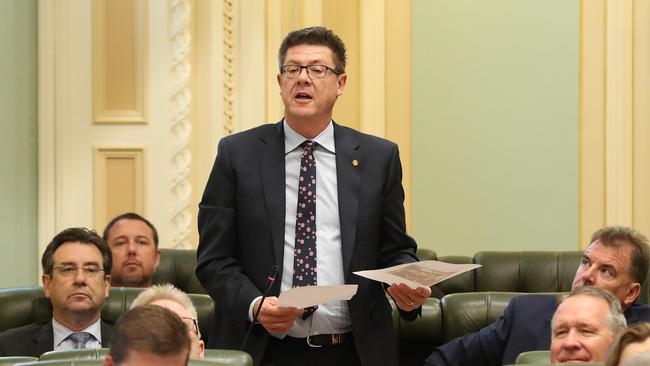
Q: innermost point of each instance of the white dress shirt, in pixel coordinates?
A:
(61, 334)
(333, 317)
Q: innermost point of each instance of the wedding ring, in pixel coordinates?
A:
(410, 303)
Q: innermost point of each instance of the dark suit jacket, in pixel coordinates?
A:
(524, 326)
(241, 228)
(36, 338)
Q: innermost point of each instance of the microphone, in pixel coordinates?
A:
(270, 281)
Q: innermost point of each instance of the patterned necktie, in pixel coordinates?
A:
(79, 339)
(304, 252)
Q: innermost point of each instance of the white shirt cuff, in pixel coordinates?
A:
(250, 308)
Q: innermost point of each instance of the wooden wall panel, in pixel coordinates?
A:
(119, 61)
(118, 182)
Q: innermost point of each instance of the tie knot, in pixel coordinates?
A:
(80, 339)
(308, 146)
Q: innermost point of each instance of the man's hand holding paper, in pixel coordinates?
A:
(410, 283)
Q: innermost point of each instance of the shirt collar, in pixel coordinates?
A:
(293, 139)
(60, 332)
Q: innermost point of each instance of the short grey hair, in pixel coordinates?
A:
(166, 291)
(616, 319)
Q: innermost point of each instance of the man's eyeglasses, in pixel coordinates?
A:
(71, 271)
(191, 324)
(314, 71)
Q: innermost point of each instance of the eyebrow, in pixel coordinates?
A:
(69, 263)
(290, 61)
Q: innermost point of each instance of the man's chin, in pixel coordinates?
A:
(134, 281)
(575, 360)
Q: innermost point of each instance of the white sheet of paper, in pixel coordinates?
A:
(417, 274)
(302, 297)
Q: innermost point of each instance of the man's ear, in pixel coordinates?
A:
(632, 294)
(46, 280)
(157, 258)
(201, 349)
(341, 83)
(108, 360)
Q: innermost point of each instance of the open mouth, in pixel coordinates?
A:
(303, 96)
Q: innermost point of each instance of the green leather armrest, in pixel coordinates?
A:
(532, 357)
(229, 357)
(78, 354)
(13, 360)
(87, 362)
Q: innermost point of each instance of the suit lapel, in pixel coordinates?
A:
(43, 339)
(271, 158)
(348, 177)
(106, 330)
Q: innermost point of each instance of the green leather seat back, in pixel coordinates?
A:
(78, 354)
(464, 282)
(465, 313)
(424, 254)
(177, 267)
(532, 357)
(531, 272)
(12, 360)
(121, 298)
(21, 306)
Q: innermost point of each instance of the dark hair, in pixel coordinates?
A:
(636, 333)
(130, 216)
(149, 329)
(617, 236)
(76, 235)
(317, 36)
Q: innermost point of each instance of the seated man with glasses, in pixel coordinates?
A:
(170, 297)
(76, 267)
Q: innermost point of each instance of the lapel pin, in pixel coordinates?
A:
(355, 162)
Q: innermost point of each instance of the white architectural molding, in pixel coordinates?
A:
(47, 20)
(618, 107)
(180, 102)
(229, 62)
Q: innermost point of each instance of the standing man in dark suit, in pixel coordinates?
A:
(320, 201)
(76, 267)
(617, 260)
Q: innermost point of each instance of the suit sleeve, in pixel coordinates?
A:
(485, 347)
(397, 247)
(218, 267)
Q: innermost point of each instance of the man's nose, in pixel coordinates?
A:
(80, 276)
(303, 76)
(572, 340)
(589, 276)
(132, 246)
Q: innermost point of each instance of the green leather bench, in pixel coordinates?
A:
(218, 356)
